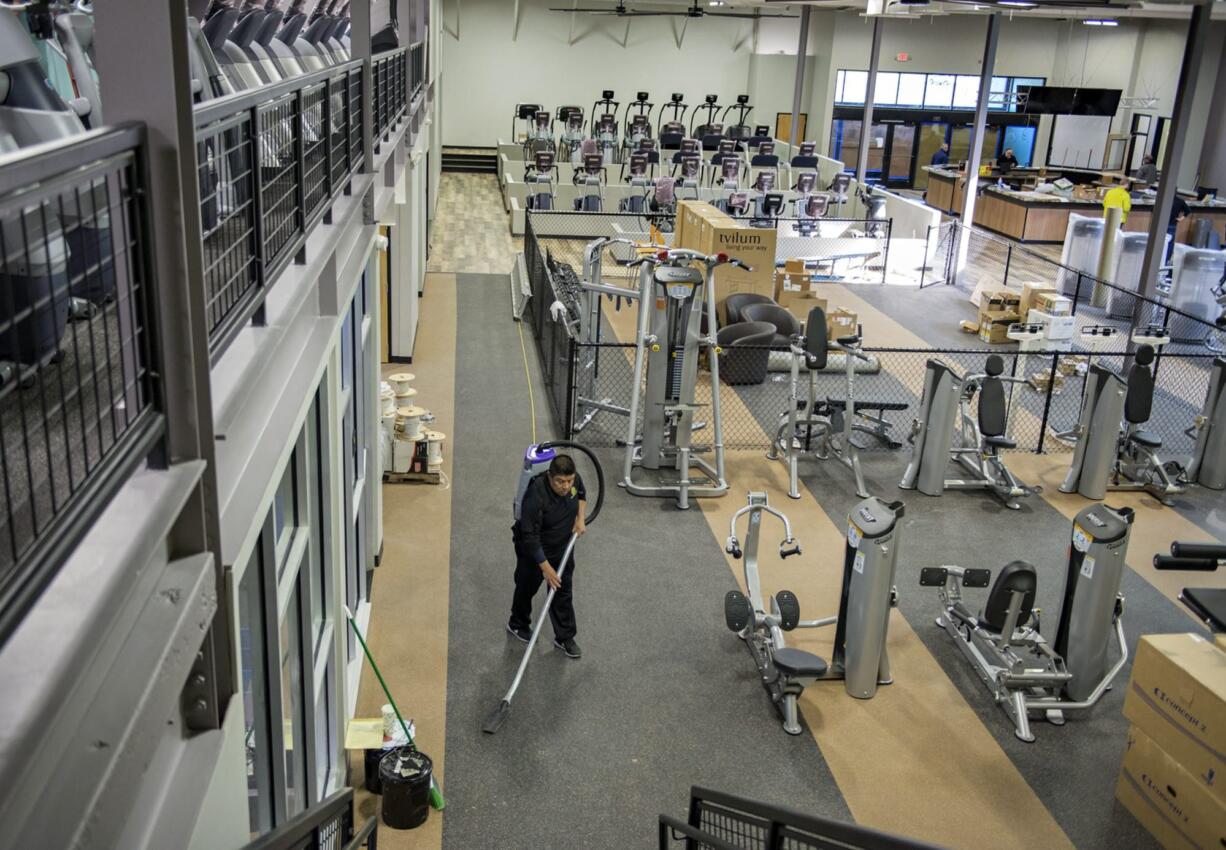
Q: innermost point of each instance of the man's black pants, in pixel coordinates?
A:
(528, 579)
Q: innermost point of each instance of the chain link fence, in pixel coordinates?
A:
(591, 380)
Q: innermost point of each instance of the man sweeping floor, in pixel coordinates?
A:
(552, 510)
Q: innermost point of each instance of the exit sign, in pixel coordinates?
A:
(903, 57)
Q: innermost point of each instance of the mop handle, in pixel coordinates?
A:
(379, 676)
(536, 631)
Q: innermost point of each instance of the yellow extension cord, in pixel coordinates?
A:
(523, 349)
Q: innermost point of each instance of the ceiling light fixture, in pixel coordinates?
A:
(1017, 4)
(1100, 22)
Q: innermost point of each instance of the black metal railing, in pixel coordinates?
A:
(720, 821)
(328, 825)
(390, 79)
(589, 379)
(270, 163)
(417, 68)
(80, 386)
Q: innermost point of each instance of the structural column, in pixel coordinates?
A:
(1177, 135)
(799, 88)
(866, 123)
(976, 151)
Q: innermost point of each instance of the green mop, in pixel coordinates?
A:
(436, 793)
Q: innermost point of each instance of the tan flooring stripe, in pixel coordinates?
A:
(890, 755)
(471, 231)
(1155, 525)
(409, 613)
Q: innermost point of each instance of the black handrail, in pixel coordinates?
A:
(57, 160)
(306, 827)
(225, 107)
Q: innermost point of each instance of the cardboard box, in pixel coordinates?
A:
(1052, 302)
(794, 266)
(1177, 696)
(1167, 799)
(1029, 291)
(994, 327)
(711, 231)
(1000, 301)
(796, 296)
(841, 322)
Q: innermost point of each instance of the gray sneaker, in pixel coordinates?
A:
(569, 647)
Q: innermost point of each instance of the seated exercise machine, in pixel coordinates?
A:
(591, 179)
(807, 157)
(1207, 603)
(1115, 456)
(861, 626)
(663, 202)
(540, 177)
(767, 203)
(676, 288)
(824, 428)
(838, 188)
(689, 173)
(731, 171)
(521, 120)
(948, 430)
(1208, 466)
(808, 207)
(1022, 671)
(878, 226)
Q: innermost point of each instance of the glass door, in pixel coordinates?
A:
(960, 144)
(901, 153)
(931, 137)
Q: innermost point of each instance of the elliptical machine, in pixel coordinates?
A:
(1109, 457)
(676, 288)
(637, 121)
(1021, 670)
(947, 430)
(861, 625)
(540, 177)
(571, 139)
(591, 180)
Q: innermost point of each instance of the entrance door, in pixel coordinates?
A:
(783, 126)
(960, 144)
(900, 155)
(931, 137)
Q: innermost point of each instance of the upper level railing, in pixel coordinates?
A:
(270, 161)
(80, 380)
(389, 73)
(417, 68)
(328, 825)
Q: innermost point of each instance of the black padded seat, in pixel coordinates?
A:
(1016, 575)
(1148, 439)
(735, 303)
(1140, 398)
(841, 404)
(786, 325)
(798, 663)
(1000, 442)
(746, 355)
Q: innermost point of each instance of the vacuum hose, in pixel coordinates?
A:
(567, 444)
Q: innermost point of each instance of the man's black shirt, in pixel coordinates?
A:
(1178, 207)
(546, 519)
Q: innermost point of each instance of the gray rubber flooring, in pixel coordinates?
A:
(594, 749)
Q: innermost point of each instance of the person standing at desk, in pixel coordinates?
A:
(1179, 211)
(941, 157)
(1007, 161)
(1148, 172)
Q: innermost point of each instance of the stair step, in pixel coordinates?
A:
(470, 162)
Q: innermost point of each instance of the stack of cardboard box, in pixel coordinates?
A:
(703, 227)
(997, 310)
(1173, 778)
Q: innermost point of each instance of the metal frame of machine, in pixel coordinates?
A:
(859, 659)
(1021, 670)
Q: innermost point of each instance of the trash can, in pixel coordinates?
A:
(405, 774)
(372, 760)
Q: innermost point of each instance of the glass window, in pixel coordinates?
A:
(996, 94)
(317, 564)
(939, 92)
(255, 695)
(966, 92)
(347, 350)
(838, 86)
(285, 506)
(886, 90)
(911, 89)
(323, 735)
(291, 707)
(1017, 82)
(855, 86)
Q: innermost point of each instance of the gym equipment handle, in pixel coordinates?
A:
(786, 552)
(1171, 562)
(1216, 551)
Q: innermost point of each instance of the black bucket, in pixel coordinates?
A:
(405, 774)
(373, 783)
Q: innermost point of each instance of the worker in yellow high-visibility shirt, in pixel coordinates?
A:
(1118, 197)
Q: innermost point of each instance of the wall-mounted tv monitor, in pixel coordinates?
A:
(1063, 100)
